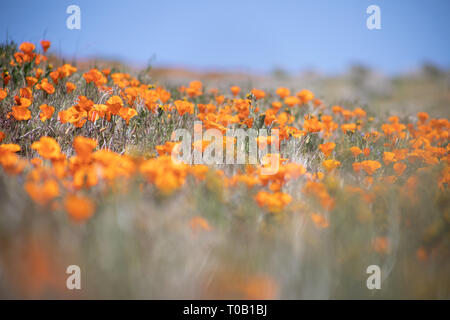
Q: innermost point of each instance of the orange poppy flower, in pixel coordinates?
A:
(47, 148)
(3, 94)
(45, 44)
(46, 112)
(259, 94)
(96, 77)
(348, 127)
(370, 166)
(70, 87)
(184, 107)
(355, 151)
(47, 87)
(388, 157)
(399, 168)
(2, 136)
(336, 109)
(283, 92)
(42, 193)
(327, 148)
(360, 113)
(423, 117)
(291, 101)
(55, 76)
(9, 148)
(106, 71)
(79, 208)
(274, 202)
(114, 104)
(313, 125)
(27, 47)
(235, 90)
(31, 81)
(331, 164)
(220, 99)
(127, 114)
(84, 146)
(276, 105)
(305, 95)
(21, 113)
(194, 89)
(366, 152)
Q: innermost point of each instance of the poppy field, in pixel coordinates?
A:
(87, 178)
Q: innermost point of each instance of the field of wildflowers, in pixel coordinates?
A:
(87, 179)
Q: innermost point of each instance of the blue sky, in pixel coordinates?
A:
(327, 36)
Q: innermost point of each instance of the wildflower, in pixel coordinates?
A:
(313, 125)
(355, 151)
(360, 113)
(235, 90)
(23, 102)
(259, 94)
(127, 114)
(42, 193)
(47, 87)
(276, 105)
(274, 202)
(6, 77)
(46, 112)
(31, 81)
(70, 87)
(220, 99)
(96, 77)
(184, 107)
(399, 168)
(423, 117)
(55, 76)
(21, 113)
(27, 47)
(388, 157)
(305, 96)
(348, 127)
(330, 164)
(114, 104)
(291, 101)
(84, 146)
(47, 148)
(283, 92)
(9, 148)
(370, 166)
(3, 94)
(45, 44)
(194, 89)
(79, 208)
(336, 109)
(366, 152)
(106, 72)
(357, 167)
(327, 148)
